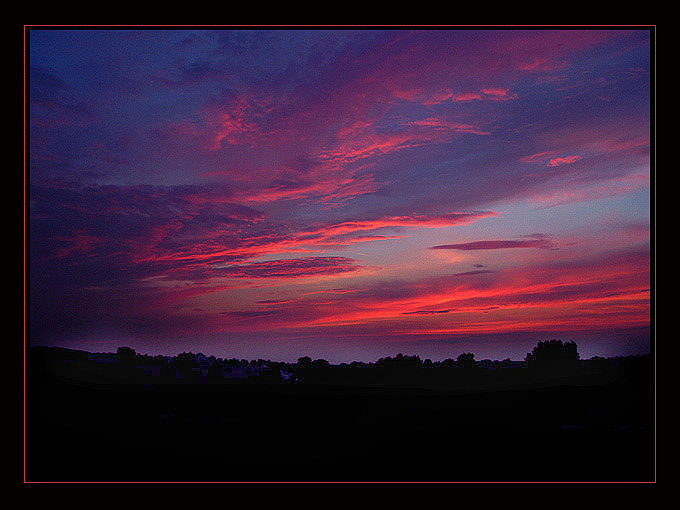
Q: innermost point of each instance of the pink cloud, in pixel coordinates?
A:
(549, 51)
(575, 192)
(539, 157)
(545, 158)
(531, 65)
(414, 221)
(498, 93)
(622, 144)
(563, 161)
(448, 95)
(490, 93)
(439, 124)
(364, 140)
(77, 243)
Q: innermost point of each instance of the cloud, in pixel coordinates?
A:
(141, 231)
(608, 289)
(192, 233)
(426, 312)
(546, 158)
(474, 273)
(540, 242)
(410, 221)
(498, 93)
(53, 102)
(250, 314)
(485, 94)
(290, 268)
(563, 161)
(434, 123)
(574, 192)
(370, 140)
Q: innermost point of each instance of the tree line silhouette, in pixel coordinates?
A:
(548, 359)
(130, 416)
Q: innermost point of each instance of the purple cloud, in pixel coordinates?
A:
(290, 268)
(539, 242)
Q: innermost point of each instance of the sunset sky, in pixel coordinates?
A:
(342, 194)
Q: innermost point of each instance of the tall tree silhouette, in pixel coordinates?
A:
(466, 360)
(185, 364)
(553, 355)
(126, 354)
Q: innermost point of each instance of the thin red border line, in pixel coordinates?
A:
(24, 65)
(652, 27)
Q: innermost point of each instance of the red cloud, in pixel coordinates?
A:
(415, 221)
(539, 157)
(563, 161)
(611, 290)
(290, 268)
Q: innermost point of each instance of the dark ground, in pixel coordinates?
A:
(590, 427)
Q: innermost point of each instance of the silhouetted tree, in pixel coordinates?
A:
(185, 357)
(598, 363)
(553, 355)
(448, 363)
(215, 372)
(186, 365)
(304, 362)
(399, 362)
(126, 354)
(465, 360)
(270, 374)
(320, 363)
(303, 368)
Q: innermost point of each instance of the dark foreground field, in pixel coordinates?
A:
(588, 427)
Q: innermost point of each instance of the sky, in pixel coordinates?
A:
(344, 194)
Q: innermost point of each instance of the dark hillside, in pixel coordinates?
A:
(87, 424)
